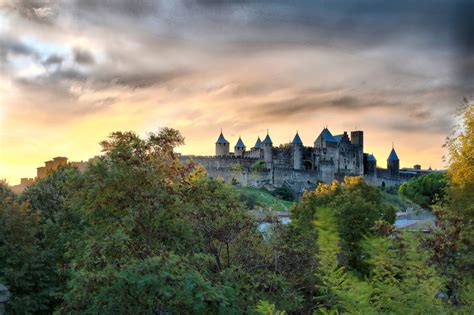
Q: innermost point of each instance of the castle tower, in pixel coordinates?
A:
(222, 146)
(357, 141)
(267, 145)
(371, 165)
(297, 152)
(258, 144)
(239, 148)
(393, 163)
(357, 138)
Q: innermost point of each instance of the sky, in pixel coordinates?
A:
(71, 72)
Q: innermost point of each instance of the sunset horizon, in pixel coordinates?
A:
(73, 72)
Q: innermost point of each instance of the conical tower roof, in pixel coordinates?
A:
(258, 144)
(221, 139)
(240, 143)
(267, 140)
(297, 139)
(327, 135)
(393, 155)
(371, 157)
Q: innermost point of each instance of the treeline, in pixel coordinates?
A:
(141, 233)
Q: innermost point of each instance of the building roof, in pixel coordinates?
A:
(267, 140)
(221, 139)
(240, 143)
(258, 144)
(371, 157)
(327, 136)
(337, 138)
(297, 139)
(393, 155)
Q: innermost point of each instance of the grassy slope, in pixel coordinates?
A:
(396, 200)
(265, 199)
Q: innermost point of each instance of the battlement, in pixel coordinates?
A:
(213, 157)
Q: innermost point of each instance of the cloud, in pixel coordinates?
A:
(397, 68)
(83, 57)
(40, 11)
(53, 59)
(10, 46)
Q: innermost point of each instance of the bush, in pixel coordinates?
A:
(259, 167)
(425, 190)
(284, 192)
(248, 199)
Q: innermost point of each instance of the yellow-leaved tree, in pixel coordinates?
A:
(461, 168)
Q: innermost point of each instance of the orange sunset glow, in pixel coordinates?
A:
(72, 72)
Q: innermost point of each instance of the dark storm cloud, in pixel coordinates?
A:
(126, 7)
(277, 110)
(83, 57)
(226, 32)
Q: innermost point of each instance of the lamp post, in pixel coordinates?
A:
(4, 298)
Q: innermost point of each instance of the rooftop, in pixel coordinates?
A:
(267, 140)
(221, 139)
(393, 155)
(240, 144)
(297, 139)
(258, 144)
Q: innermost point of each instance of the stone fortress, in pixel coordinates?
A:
(50, 166)
(331, 157)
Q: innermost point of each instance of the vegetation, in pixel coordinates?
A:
(263, 198)
(284, 192)
(425, 190)
(139, 232)
(259, 166)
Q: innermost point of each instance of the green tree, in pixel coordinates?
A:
(358, 206)
(59, 225)
(160, 236)
(425, 190)
(451, 242)
(22, 267)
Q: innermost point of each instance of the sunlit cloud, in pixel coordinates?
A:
(74, 71)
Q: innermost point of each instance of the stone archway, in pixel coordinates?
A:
(308, 166)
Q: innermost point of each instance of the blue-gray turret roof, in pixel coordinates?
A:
(297, 139)
(327, 135)
(240, 143)
(267, 140)
(393, 155)
(371, 157)
(222, 140)
(258, 144)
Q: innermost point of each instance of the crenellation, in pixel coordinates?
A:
(332, 157)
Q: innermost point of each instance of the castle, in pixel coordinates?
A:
(49, 167)
(331, 157)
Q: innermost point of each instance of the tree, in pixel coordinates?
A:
(58, 226)
(358, 206)
(425, 190)
(451, 242)
(461, 168)
(21, 264)
(160, 236)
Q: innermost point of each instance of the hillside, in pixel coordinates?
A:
(261, 197)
